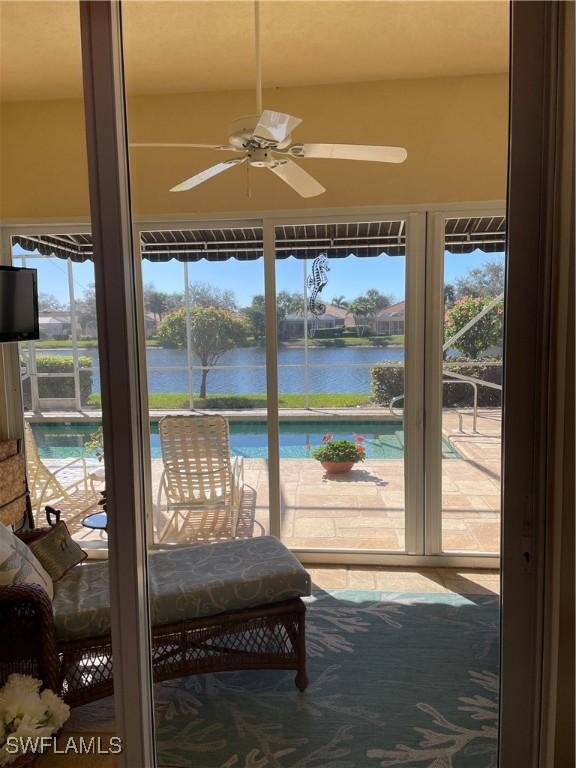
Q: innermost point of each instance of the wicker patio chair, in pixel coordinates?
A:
(200, 490)
(73, 499)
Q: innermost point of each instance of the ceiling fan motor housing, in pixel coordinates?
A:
(260, 158)
(241, 130)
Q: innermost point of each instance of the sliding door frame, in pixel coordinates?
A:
(415, 223)
(435, 249)
(123, 385)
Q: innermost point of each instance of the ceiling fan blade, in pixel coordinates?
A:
(353, 152)
(275, 126)
(297, 178)
(187, 146)
(203, 176)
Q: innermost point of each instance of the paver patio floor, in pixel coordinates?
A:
(364, 508)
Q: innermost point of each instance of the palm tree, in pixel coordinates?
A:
(339, 301)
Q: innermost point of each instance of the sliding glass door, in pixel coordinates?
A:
(464, 391)
(388, 335)
(341, 309)
(204, 320)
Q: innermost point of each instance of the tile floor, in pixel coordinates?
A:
(446, 580)
(456, 580)
(364, 508)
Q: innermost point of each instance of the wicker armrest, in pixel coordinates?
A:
(35, 533)
(28, 639)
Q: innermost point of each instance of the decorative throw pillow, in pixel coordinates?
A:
(18, 564)
(57, 551)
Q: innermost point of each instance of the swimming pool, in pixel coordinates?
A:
(382, 440)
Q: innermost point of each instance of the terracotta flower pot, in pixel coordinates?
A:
(337, 467)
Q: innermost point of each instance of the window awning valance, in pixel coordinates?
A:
(363, 239)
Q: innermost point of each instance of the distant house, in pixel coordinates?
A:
(90, 329)
(55, 325)
(292, 326)
(150, 324)
(390, 320)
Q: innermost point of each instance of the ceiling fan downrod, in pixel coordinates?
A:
(258, 57)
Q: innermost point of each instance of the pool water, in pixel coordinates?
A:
(298, 439)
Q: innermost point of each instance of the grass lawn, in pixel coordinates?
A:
(64, 344)
(82, 343)
(176, 400)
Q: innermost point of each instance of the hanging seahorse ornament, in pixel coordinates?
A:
(317, 281)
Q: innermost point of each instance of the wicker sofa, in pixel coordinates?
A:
(214, 607)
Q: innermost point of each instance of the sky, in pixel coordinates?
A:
(348, 277)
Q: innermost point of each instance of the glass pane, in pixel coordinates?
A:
(341, 311)
(206, 333)
(61, 384)
(472, 385)
(44, 179)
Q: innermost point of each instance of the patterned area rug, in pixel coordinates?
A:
(395, 680)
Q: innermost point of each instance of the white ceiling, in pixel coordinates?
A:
(179, 47)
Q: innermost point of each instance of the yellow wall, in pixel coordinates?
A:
(455, 130)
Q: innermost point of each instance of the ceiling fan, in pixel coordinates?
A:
(265, 141)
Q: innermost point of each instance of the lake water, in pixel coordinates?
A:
(334, 370)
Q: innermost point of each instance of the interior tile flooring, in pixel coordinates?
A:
(433, 580)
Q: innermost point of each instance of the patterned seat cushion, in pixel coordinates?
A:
(186, 583)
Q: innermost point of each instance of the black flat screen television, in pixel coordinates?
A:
(18, 304)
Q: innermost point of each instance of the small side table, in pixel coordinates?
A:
(98, 521)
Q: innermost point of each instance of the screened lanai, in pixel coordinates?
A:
(337, 373)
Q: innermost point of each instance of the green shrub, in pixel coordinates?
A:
(329, 333)
(59, 386)
(387, 381)
(462, 395)
(485, 333)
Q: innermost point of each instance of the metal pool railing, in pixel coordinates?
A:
(456, 379)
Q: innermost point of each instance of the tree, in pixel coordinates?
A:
(487, 280)
(86, 308)
(206, 295)
(485, 333)
(213, 332)
(286, 304)
(47, 302)
(376, 299)
(365, 307)
(156, 302)
(289, 304)
(174, 301)
(362, 311)
(340, 301)
(449, 294)
(256, 314)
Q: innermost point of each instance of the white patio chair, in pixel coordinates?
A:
(74, 499)
(200, 490)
